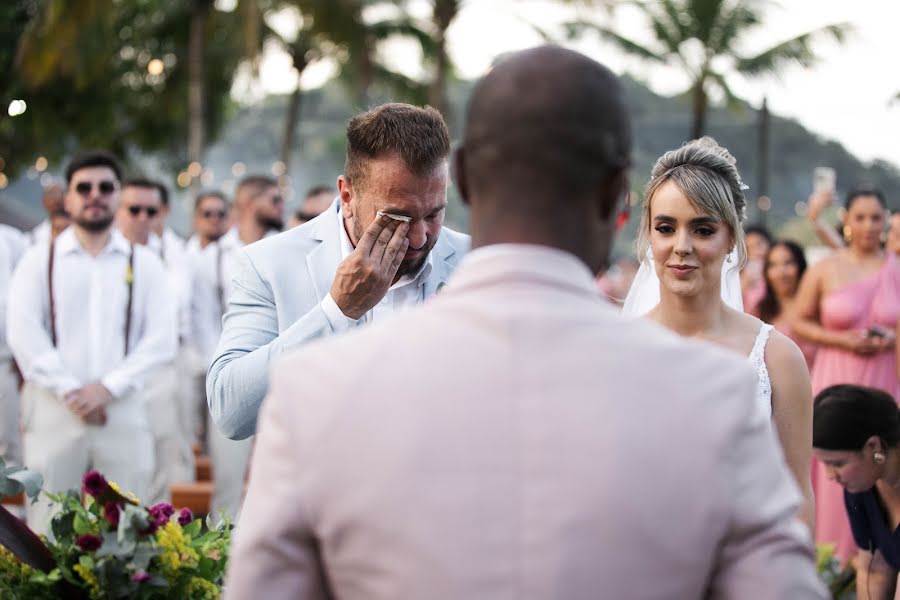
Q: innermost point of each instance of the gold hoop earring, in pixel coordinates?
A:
(848, 236)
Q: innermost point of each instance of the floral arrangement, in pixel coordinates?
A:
(110, 546)
(840, 581)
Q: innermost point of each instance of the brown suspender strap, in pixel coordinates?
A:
(129, 279)
(50, 287)
(220, 287)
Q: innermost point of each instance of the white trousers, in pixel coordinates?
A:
(62, 448)
(10, 435)
(174, 459)
(230, 459)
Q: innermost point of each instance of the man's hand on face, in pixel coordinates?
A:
(364, 277)
(89, 403)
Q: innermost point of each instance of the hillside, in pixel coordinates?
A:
(254, 134)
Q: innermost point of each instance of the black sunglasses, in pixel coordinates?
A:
(104, 187)
(150, 210)
(209, 214)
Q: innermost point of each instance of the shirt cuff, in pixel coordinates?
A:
(338, 321)
(117, 385)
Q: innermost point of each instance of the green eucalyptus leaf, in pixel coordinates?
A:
(31, 481)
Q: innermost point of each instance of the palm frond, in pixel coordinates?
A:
(794, 50)
(731, 101)
(577, 28)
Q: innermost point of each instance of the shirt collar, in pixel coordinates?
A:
(419, 277)
(67, 242)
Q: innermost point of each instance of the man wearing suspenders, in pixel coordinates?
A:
(89, 318)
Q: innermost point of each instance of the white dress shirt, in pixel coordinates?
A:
(91, 296)
(171, 250)
(6, 269)
(208, 299)
(405, 293)
(40, 234)
(14, 240)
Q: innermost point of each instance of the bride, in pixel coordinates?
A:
(691, 232)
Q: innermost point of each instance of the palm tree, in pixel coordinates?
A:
(702, 37)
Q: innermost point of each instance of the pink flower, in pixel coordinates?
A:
(111, 513)
(185, 517)
(141, 577)
(88, 542)
(160, 513)
(94, 484)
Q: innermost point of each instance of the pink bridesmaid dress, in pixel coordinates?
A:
(859, 305)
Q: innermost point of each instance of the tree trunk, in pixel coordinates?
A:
(290, 126)
(196, 80)
(444, 13)
(762, 158)
(698, 110)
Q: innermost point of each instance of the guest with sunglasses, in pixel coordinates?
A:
(318, 199)
(142, 209)
(90, 319)
(211, 221)
(141, 202)
(258, 213)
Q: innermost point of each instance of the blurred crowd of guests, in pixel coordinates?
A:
(147, 347)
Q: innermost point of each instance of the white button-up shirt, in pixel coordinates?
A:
(90, 296)
(406, 292)
(171, 250)
(209, 295)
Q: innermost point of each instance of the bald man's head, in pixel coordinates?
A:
(549, 117)
(547, 143)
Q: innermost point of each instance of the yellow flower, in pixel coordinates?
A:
(12, 568)
(201, 589)
(177, 552)
(89, 578)
(126, 495)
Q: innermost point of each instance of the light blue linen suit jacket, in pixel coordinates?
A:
(275, 306)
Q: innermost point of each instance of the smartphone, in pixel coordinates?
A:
(824, 179)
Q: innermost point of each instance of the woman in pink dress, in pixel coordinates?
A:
(848, 305)
(784, 266)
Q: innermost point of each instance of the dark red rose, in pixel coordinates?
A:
(112, 512)
(94, 484)
(160, 513)
(88, 542)
(185, 517)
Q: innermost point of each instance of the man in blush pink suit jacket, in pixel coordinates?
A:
(516, 438)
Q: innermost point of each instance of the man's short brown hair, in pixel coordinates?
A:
(418, 135)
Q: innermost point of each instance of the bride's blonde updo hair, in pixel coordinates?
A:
(706, 173)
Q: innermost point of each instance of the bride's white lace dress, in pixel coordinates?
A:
(757, 360)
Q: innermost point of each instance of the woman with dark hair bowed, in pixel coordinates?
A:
(691, 244)
(848, 305)
(783, 268)
(856, 437)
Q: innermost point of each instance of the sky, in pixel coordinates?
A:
(845, 97)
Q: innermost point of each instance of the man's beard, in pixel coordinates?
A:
(215, 236)
(99, 224)
(268, 223)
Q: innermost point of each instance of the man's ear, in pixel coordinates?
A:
(459, 174)
(345, 191)
(614, 196)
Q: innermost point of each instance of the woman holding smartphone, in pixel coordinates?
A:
(848, 305)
